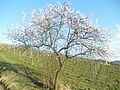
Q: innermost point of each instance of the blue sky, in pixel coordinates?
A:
(107, 12)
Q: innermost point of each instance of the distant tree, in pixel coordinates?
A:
(64, 31)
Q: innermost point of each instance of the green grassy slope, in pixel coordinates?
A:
(78, 73)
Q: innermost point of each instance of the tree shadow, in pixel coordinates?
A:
(5, 66)
(26, 72)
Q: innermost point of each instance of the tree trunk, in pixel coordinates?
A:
(57, 73)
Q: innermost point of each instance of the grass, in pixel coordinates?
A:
(78, 74)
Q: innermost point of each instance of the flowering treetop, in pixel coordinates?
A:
(63, 30)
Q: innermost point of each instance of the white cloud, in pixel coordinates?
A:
(114, 43)
(115, 35)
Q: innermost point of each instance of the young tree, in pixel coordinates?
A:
(64, 31)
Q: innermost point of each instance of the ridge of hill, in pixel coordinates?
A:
(117, 62)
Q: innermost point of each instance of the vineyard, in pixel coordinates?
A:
(34, 70)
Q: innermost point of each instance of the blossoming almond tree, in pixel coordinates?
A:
(65, 32)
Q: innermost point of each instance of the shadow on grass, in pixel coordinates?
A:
(26, 72)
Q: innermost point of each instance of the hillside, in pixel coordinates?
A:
(116, 62)
(31, 70)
